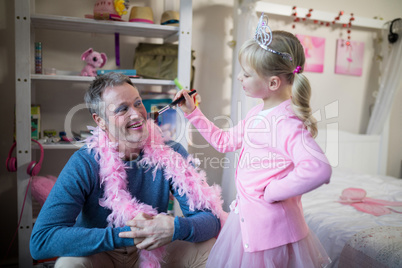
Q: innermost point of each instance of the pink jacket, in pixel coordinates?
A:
(275, 168)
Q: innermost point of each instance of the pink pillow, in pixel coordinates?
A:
(41, 187)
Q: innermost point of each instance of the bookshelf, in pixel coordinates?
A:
(26, 22)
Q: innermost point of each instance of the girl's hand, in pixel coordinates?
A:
(187, 105)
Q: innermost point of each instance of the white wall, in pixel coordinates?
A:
(212, 25)
(394, 167)
(353, 95)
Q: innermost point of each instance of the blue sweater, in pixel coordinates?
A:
(72, 223)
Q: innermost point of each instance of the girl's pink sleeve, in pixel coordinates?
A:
(311, 168)
(222, 140)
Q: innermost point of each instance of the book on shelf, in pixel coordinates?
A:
(128, 72)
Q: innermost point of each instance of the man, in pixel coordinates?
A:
(108, 204)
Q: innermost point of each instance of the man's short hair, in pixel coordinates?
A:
(93, 96)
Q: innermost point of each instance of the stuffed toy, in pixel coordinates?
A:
(93, 60)
(109, 10)
(41, 187)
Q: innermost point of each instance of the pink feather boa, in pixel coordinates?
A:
(186, 179)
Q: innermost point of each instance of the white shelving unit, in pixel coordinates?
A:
(104, 26)
(77, 78)
(26, 21)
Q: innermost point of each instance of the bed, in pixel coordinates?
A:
(354, 238)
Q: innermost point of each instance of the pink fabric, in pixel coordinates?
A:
(356, 197)
(41, 187)
(187, 179)
(276, 166)
(228, 251)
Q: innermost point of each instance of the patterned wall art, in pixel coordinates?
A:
(314, 50)
(349, 58)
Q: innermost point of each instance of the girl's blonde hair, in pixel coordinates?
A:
(268, 64)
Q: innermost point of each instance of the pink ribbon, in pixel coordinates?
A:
(141, 20)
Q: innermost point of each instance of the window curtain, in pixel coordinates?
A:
(391, 79)
(245, 20)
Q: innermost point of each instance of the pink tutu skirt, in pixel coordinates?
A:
(228, 251)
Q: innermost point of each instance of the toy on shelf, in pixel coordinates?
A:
(93, 60)
(109, 10)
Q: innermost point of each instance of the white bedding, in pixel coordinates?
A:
(334, 223)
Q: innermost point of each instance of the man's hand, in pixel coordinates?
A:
(150, 232)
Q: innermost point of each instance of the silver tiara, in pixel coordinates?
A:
(263, 36)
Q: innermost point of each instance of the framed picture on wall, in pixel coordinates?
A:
(349, 58)
(314, 50)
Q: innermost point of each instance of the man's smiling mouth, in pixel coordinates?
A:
(135, 125)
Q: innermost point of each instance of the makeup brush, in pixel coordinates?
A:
(155, 115)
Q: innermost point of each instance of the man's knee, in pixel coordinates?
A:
(206, 246)
(73, 262)
(203, 249)
(186, 254)
(100, 260)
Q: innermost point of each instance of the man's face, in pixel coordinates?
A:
(126, 117)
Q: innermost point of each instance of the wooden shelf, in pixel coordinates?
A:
(58, 146)
(70, 78)
(104, 26)
(77, 78)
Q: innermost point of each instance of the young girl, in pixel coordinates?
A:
(266, 226)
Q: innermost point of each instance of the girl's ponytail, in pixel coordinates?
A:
(301, 93)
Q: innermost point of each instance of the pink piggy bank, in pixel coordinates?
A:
(93, 60)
